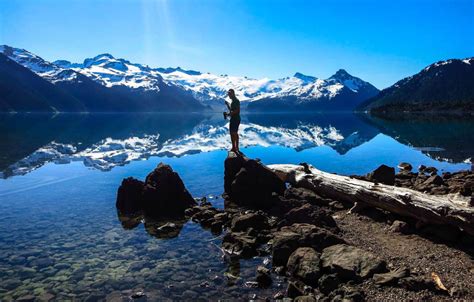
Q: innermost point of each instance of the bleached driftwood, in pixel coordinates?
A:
(434, 209)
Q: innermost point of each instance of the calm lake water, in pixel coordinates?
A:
(59, 231)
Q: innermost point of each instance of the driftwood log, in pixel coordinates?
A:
(451, 209)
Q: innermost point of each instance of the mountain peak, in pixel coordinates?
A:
(304, 77)
(104, 56)
(98, 59)
(341, 74)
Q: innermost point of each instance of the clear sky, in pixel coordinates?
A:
(379, 41)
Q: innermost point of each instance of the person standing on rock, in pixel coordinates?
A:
(234, 114)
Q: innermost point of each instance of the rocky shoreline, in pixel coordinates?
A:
(323, 252)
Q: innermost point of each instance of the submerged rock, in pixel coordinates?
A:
(263, 276)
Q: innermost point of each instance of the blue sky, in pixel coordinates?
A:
(379, 41)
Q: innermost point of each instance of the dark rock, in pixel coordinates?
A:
(309, 214)
(348, 293)
(446, 175)
(383, 174)
(305, 299)
(240, 244)
(304, 264)
(350, 262)
(399, 227)
(328, 283)
(27, 298)
(248, 182)
(164, 193)
(391, 277)
(11, 284)
(295, 289)
(263, 276)
(42, 262)
(284, 243)
(444, 232)
(430, 170)
(129, 196)
(249, 220)
(417, 283)
(307, 195)
(434, 180)
(405, 166)
(289, 238)
(421, 168)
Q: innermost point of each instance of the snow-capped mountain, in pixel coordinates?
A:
(209, 89)
(101, 84)
(49, 71)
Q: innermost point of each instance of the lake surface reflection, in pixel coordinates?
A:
(59, 231)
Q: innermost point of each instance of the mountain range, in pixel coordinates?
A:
(106, 83)
(28, 83)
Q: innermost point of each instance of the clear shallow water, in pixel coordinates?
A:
(59, 230)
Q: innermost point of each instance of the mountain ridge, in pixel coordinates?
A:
(442, 86)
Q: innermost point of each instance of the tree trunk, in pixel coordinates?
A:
(452, 209)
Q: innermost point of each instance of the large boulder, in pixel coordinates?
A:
(289, 238)
(129, 196)
(350, 262)
(163, 194)
(248, 182)
(304, 264)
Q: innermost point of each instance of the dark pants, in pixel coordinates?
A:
(234, 124)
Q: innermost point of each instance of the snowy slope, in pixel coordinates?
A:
(211, 89)
(208, 88)
(44, 69)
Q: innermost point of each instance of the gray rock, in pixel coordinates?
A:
(391, 277)
(289, 238)
(304, 264)
(250, 220)
(350, 262)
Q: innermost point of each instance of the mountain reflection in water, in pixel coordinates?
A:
(103, 141)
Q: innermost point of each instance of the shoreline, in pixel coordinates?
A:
(325, 252)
